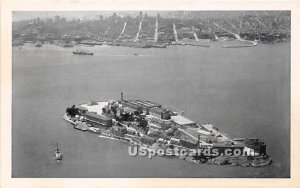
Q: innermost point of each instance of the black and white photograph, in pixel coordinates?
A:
(151, 94)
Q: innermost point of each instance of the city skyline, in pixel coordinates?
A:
(90, 15)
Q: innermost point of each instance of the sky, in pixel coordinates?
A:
(86, 15)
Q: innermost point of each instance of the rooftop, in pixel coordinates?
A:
(95, 108)
(188, 139)
(181, 120)
(98, 116)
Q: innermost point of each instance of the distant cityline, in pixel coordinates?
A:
(92, 15)
(157, 31)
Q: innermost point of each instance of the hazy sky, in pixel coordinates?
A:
(25, 15)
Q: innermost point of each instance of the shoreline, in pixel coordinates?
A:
(149, 44)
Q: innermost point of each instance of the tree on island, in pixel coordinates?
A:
(72, 111)
(126, 117)
(142, 122)
(139, 111)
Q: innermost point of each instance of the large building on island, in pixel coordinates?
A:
(148, 107)
(97, 120)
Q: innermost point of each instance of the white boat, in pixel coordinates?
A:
(58, 155)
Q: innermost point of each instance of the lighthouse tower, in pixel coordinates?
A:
(121, 96)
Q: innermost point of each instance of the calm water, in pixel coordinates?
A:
(245, 92)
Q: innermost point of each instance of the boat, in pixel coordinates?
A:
(82, 52)
(38, 44)
(58, 155)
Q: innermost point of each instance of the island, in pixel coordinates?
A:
(152, 127)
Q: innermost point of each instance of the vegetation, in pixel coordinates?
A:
(72, 111)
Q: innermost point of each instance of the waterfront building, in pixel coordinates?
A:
(148, 104)
(147, 139)
(154, 132)
(161, 113)
(148, 107)
(221, 147)
(183, 121)
(159, 123)
(188, 142)
(256, 145)
(174, 140)
(158, 134)
(118, 131)
(131, 131)
(162, 141)
(156, 112)
(122, 129)
(128, 105)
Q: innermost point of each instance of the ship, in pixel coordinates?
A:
(38, 44)
(151, 125)
(58, 155)
(82, 52)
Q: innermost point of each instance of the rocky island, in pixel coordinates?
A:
(158, 130)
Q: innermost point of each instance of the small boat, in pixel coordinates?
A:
(38, 44)
(58, 154)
